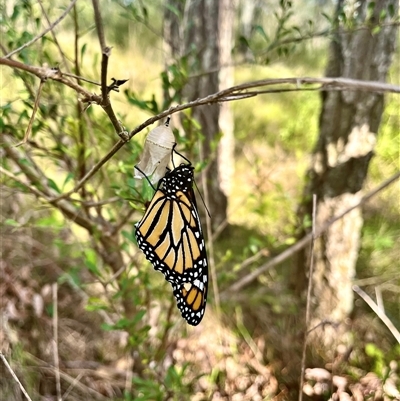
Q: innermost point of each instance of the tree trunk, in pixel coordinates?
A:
(349, 123)
(204, 35)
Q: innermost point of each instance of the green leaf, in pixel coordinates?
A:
(376, 30)
(259, 29)
(129, 236)
(391, 10)
(174, 10)
(53, 185)
(244, 42)
(11, 222)
(72, 277)
(138, 317)
(68, 178)
(83, 51)
(147, 105)
(95, 304)
(91, 261)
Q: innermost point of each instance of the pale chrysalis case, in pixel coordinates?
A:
(156, 153)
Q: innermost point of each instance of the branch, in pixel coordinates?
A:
(62, 16)
(234, 288)
(3, 358)
(309, 288)
(234, 93)
(39, 187)
(106, 52)
(32, 119)
(53, 33)
(225, 95)
(91, 172)
(238, 91)
(54, 74)
(381, 314)
(55, 340)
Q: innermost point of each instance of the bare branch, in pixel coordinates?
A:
(55, 340)
(32, 119)
(62, 16)
(309, 288)
(53, 34)
(234, 288)
(39, 187)
(3, 358)
(106, 52)
(99, 24)
(91, 172)
(52, 73)
(380, 313)
(234, 93)
(118, 226)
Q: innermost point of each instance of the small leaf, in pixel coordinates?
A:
(53, 185)
(138, 317)
(376, 30)
(129, 236)
(259, 29)
(91, 262)
(83, 51)
(11, 222)
(174, 10)
(68, 178)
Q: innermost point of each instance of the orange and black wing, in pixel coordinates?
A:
(191, 298)
(171, 238)
(170, 234)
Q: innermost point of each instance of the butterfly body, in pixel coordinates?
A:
(171, 238)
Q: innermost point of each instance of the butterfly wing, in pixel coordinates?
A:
(169, 234)
(191, 298)
(171, 238)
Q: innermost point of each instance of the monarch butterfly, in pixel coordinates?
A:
(171, 238)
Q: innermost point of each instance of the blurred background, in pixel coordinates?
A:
(85, 316)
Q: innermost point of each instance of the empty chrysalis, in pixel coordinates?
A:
(156, 153)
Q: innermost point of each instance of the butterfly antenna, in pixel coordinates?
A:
(183, 157)
(204, 203)
(145, 176)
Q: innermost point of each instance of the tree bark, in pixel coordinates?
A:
(349, 123)
(204, 35)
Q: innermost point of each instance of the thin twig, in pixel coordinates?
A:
(32, 119)
(80, 78)
(19, 181)
(91, 172)
(3, 358)
(221, 96)
(99, 24)
(243, 282)
(56, 22)
(99, 203)
(53, 34)
(80, 386)
(55, 340)
(309, 289)
(118, 226)
(45, 192)
(210, 245)
(52, 73)
(72, 385)
(378, 311)
(262, 252)
(106, 52)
